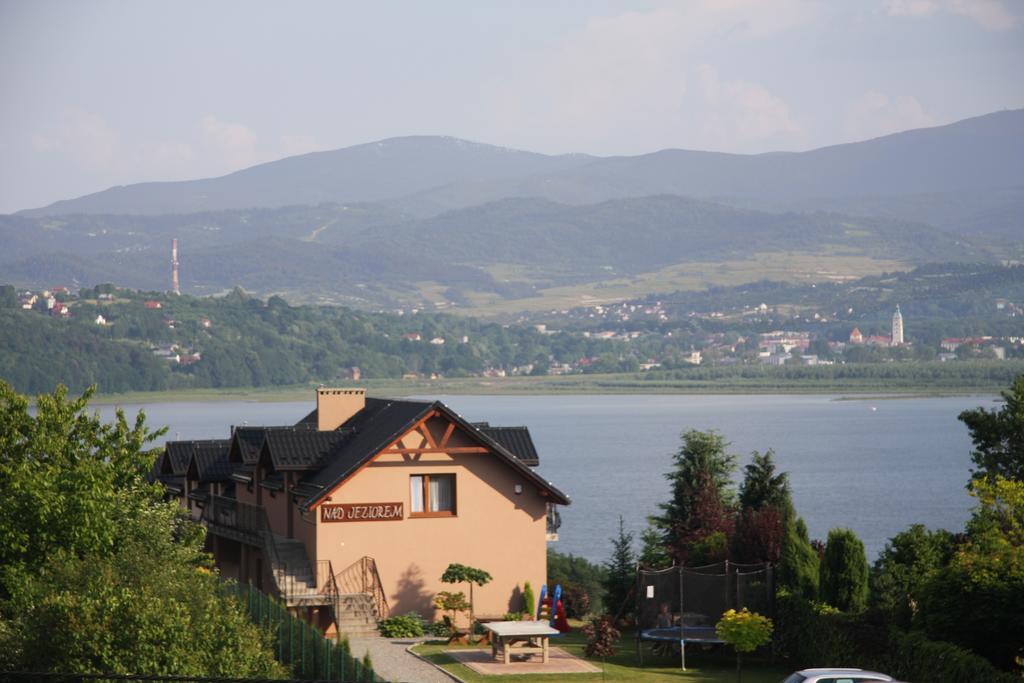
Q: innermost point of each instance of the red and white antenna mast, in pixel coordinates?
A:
(175, 287)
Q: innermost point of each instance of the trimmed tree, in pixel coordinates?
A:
(844, 572)
(460, 573)
(799, 562)
(529, 601)
(745, 631)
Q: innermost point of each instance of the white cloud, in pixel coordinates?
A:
(645, 77)
(992, 15)
(83, 136)
(875, 114)
(235, 142)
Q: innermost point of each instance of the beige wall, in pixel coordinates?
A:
(495, 529)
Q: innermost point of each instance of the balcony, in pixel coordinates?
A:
(554, 522)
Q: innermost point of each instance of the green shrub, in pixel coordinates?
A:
(405, 626)
(437, 628)
(844, 572)
(513, 616)
(912, 656)
(529, 600)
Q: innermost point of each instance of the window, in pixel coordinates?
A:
(432, 495)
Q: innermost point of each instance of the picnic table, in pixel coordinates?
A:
(520, 637)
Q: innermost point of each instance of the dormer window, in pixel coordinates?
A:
(432, 495)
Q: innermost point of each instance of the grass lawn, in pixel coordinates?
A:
(702, 667)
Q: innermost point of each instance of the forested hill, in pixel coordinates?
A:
(239, 341)
(369, 256)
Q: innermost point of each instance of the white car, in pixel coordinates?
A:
(836, 676)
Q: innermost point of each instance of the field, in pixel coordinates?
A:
(690, 276)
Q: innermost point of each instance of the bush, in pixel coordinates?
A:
(529, 600)
(601, 637)
(437, 628)
(513, 616)
(809, 633)
(575, 601)
(912, 656)
(405, 626)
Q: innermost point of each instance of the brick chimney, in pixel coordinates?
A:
(335, 406)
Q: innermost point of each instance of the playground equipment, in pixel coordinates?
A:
(551, 609)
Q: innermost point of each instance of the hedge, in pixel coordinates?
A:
(809, 635)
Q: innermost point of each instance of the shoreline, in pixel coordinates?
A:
(544, 386)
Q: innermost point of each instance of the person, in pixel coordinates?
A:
(664, 616)
(664, 621)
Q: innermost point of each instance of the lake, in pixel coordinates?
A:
(875, 466)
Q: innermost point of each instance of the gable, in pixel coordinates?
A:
(439, 432)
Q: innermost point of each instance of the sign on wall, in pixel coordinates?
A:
(361, 512)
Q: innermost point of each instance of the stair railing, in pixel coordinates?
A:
(362, 577)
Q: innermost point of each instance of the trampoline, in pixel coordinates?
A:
(693, 599)
(681, 635)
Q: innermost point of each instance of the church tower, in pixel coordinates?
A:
(897, 328)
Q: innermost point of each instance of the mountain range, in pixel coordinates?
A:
(429, 218)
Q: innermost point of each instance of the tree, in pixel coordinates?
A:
(998, 436)
(453, 603)
(765, 506)
(745, 631)
(975, 600)
(844, 572)
(701, 495)
(762, 487)
(703, 537)
(798, 562)
(100, 575)
(460, 573)
(621, 577)
(904, 567)
(652, 549)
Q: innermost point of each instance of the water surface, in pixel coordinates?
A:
(875, 466)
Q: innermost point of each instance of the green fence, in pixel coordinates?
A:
(299, 646)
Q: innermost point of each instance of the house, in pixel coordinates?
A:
(152, 304)
(360, 506)
(100, 320)
(856, 337)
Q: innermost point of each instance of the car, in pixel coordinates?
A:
(837, 676)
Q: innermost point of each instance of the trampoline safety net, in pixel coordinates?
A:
(697, 596)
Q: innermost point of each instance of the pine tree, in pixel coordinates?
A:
(765, 507)
(621, 577)
(762, 487)
(799, 563)
(653, 554)
(701, 492)
(844, 571)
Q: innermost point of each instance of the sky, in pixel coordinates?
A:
(101, 93)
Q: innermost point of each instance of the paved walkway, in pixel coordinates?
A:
(393, 663)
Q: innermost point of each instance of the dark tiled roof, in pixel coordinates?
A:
(302, 449)
(381, 422)
(178, 454)
(312, 419)
(211, 460)
(246, 442)
(370, 430)
(516, 440)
